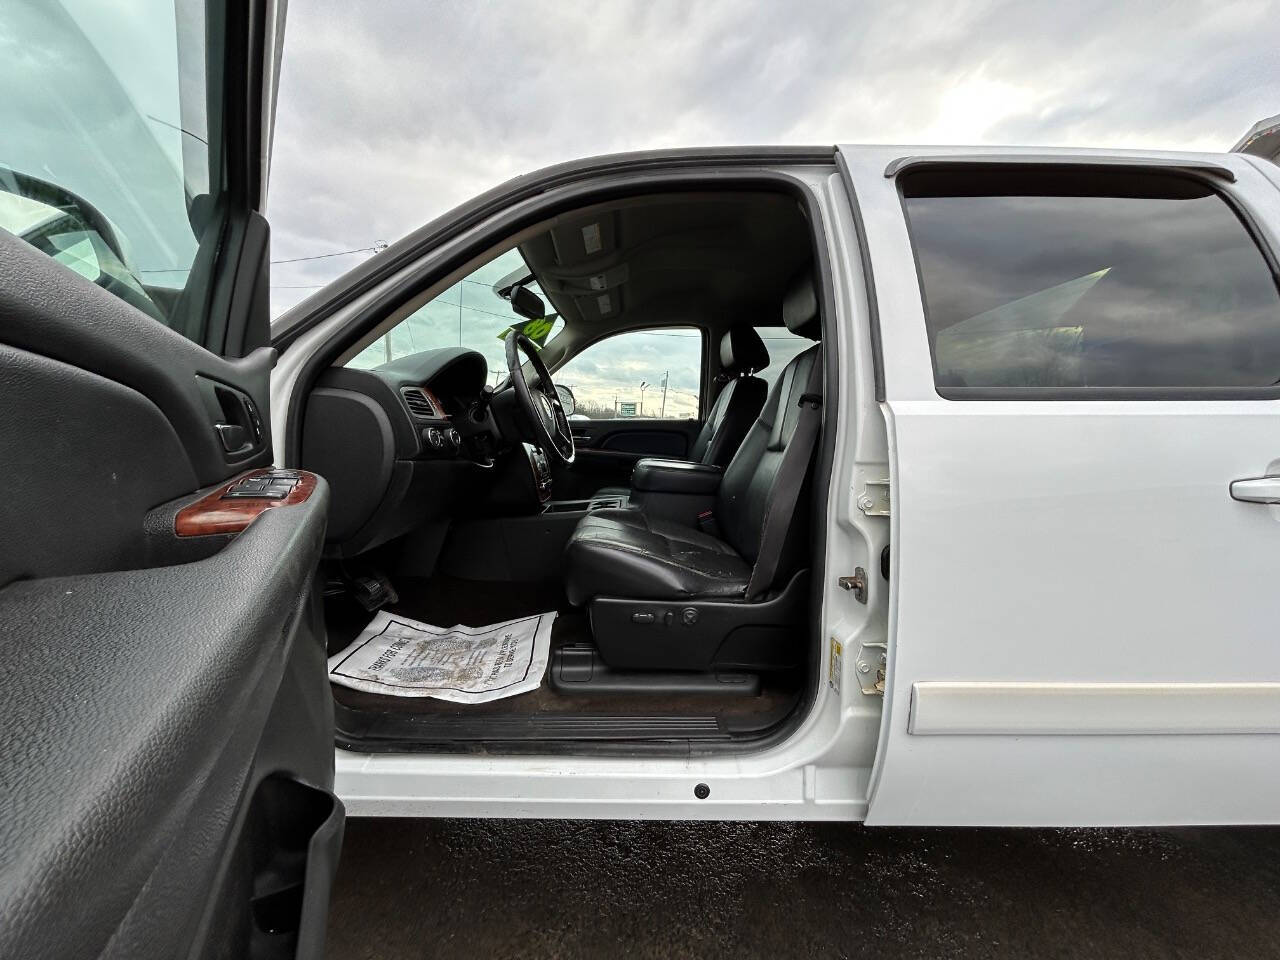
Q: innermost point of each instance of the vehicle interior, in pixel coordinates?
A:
(486, 463)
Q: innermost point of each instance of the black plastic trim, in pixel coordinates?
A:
(1139, 164)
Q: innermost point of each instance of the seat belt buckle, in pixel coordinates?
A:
(707, 523)
(813, 400)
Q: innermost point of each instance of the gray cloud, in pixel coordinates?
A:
(391, 113)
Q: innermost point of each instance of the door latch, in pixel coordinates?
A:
(873, 659)
(874, 499)
(856, 583)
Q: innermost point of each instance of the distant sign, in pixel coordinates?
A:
(626, 409)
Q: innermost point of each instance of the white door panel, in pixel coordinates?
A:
(1085, 619)
(1129, 562)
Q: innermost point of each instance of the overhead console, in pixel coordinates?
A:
(396, 443)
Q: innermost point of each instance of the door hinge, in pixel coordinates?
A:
(870, 665)
(874, 499)
(857, 583)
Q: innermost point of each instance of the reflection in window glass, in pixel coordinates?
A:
(468, 314)
(106, 154)
(641, 373)
(1090, 280)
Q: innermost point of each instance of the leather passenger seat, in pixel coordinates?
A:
(627, 553)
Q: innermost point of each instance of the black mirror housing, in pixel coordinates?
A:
(526, 303)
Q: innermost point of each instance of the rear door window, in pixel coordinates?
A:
(1063, 281)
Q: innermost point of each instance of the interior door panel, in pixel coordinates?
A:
(607, 450)
(166, 731)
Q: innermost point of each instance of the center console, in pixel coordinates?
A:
(540, 470)
(675, 489)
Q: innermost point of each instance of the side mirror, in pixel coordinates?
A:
(566, 400)
(526, 303)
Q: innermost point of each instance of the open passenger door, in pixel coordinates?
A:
(166, 732)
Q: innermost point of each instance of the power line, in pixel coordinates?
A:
(174, 126)
(377, 247)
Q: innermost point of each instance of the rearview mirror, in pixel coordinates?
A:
(566, 400)
(526, 303)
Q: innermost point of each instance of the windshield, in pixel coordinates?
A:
(104, 155)
(468, 314)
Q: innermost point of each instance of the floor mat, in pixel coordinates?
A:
(398, 657)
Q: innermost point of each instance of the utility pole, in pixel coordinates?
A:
(666, 374)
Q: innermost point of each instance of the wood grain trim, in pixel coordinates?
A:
(211, 514)
(435, 402)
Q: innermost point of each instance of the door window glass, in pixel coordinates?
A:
(104, 163)
(1090, 279)
(468, 314)
(653, 374)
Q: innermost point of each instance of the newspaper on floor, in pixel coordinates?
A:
(400, 657)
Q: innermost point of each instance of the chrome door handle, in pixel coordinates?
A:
(1257, 490)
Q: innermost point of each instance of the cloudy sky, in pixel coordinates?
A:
(392, 112)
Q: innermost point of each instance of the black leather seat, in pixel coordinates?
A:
(625, 553)
(742, 352)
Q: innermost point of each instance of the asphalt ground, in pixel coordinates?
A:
(568, 889)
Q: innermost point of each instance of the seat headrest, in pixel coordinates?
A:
(742, 351)
(800, 307)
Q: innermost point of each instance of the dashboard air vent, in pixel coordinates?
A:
(418, 403)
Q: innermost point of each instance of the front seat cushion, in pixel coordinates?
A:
(623, 553)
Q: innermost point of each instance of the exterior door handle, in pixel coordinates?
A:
(1257, 490)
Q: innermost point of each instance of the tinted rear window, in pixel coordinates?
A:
(1066, 279)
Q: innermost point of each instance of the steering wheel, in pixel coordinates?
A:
(540, 403)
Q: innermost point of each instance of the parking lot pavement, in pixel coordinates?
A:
(567, 889)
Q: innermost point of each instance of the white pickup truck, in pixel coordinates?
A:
(906, 485)
(1046, 517)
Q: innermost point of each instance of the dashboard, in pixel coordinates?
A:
(398, 444)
